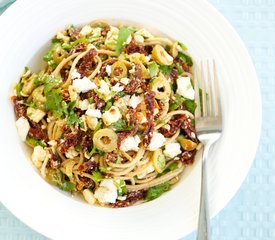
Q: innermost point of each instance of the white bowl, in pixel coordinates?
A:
(28, 26)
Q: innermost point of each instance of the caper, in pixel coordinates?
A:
(161, 56)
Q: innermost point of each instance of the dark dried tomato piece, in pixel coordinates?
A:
(135, 80)
(19, 108)
(132, 198)
(70, 140)
(149, 98)
(188, 157)
(88, 166)
(134, 47)
(87, 63)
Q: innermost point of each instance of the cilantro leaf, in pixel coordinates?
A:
(68, 186)
(190, 105)
(177, 102)
(180, 70)
(121, 187)
(166, 70)
(123, 34)
(35, 142)
(54, 103)
(97, 176)
(185, 58)
(120, 125)
(155, 192)
(183, 47)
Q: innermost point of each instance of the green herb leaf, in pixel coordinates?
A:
(68, 186)
(121, 94)
(190, 105)
(166, 70)
(103, 169)
(35, 142)
(183, 47)
(155, 192)
(97, 176)
(185, 58)
(98, 126)
(121, 187)
(120, 125)
(153, 69)
(109, 104)
(118, 160)
(177, 102)
(123, 35)
(72, 119)
(80, 40)
(18, 88)
(180, 70)
(54, 103)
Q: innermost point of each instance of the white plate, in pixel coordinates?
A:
(25, 29)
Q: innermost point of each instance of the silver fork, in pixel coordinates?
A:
(208, 119)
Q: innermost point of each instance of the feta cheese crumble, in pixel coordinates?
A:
(185, 88)
(94, 113)
(156, 142)
(83, 85)
(23, 127)
(35, 114)
(109, 70)
(111, 116)
(117, 88)
(107, 192)
(172, 150)
(39, 155)
(130, 144)
(135, 100)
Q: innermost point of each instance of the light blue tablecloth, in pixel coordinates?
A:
(251, 213)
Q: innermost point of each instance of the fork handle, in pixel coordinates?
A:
(203, 224)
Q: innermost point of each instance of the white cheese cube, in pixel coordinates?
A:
(23, 127)
(39, 155)
(83, 85)
(172, 150)
(117, 88)
(111, 116)
(135, 100)
(130, 144)
(86, 30)
(109, 70)
(35, 114)
(185, 88)
(156, 142)
(125, 80)
(107, 192)
(94, 113)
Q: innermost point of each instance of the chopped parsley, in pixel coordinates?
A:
(153, 69)
(123, 34)
(157, 191)
(166, 70)
(185, 58)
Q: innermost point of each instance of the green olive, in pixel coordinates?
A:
(158, 160)
(161, 87)
(161, 56)
(186, 144)
(119, 70)
(59, 54)
(105, 140)
(28, 85)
